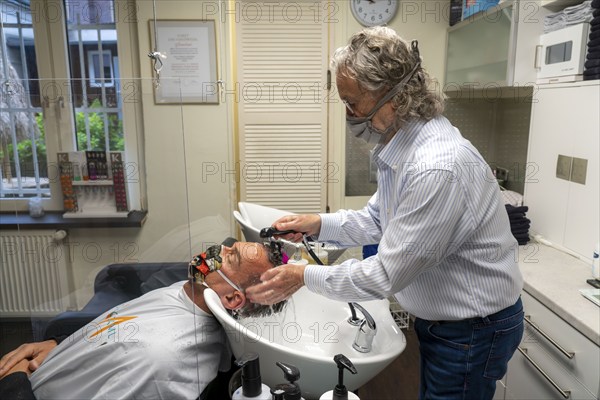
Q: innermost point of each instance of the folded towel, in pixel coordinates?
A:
(594, 43)
(591, 71)
(522, 239)
(514, 210)
(591, 77)
(517, 217)
(593, 54)
(592, 63)
(520, 224)
(596, 3)
(594, 35)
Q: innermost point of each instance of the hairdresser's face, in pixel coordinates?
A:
(359, 102)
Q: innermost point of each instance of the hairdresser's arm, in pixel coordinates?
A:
(32, 353)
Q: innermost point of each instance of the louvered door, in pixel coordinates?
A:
(282, 115)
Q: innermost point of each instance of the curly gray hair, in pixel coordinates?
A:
(377, 58)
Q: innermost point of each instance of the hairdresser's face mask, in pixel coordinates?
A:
(362, 127)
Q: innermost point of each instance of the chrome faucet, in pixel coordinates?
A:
(367, 329)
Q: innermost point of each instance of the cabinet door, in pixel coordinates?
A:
(583, 212)
(564, 122)
(545, 194)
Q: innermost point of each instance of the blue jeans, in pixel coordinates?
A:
(464, 359)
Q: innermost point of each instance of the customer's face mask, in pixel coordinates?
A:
(207, 262)
(362, 127)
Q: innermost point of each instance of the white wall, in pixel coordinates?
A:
(425, 21)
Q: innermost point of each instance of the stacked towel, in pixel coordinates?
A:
(519, 224)
(592, 61)
(569, 16)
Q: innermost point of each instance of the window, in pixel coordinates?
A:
(23, 162)
(91, 32)
(28, 63)
(100, 69)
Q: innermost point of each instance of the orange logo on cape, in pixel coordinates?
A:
(111, 321)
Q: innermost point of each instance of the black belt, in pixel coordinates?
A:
(505, 313)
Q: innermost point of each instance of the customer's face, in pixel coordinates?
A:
(241, 261)
(360, 102)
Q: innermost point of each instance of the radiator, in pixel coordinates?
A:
(35, 273)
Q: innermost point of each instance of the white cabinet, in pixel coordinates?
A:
(554, 361)
(495, 47)
(565, 122)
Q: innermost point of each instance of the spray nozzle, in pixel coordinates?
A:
(270, 232)
(340, 392)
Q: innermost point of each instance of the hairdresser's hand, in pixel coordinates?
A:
(277, 284)
(306, 223)
(31, 353)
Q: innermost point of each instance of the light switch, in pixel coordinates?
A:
(563, 167)
(579, 170)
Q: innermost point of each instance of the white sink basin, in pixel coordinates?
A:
(254, 217)
(307, 334)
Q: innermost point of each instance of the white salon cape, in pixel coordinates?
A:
(158, 346)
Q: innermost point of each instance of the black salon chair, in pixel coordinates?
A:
(116, 284)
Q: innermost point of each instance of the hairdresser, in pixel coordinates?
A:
(445, 247)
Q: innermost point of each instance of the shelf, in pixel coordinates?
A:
(55, 220)
(557, 5)
(103, 182)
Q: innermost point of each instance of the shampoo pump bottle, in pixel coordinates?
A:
(290, 389)
(252, 386)
(340, 392)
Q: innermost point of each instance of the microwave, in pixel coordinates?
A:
(561, 54)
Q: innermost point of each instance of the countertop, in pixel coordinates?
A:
(554, 278)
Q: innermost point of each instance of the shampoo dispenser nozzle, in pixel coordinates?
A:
(340, 392)
(252, 386)
(289, 390)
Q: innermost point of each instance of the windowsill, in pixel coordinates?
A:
(55, 220)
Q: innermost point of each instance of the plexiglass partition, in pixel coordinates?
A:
(94, 191)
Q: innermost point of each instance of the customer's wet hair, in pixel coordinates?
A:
(378, 59)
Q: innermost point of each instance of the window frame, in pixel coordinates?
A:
(51, 48)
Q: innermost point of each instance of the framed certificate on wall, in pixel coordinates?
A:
(189, 70)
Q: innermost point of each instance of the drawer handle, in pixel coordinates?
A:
(568, 354)
(564, 393)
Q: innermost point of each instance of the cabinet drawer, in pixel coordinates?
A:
(584, 364)
(524, 381)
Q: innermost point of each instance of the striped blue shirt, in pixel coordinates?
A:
(445, 246)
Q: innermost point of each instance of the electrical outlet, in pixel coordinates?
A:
(579, 170)
(502, 174)
(563, 167)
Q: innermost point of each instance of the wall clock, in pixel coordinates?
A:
(374, 12)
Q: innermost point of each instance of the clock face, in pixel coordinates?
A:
(374, 12)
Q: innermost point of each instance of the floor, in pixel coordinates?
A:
(400, 380)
